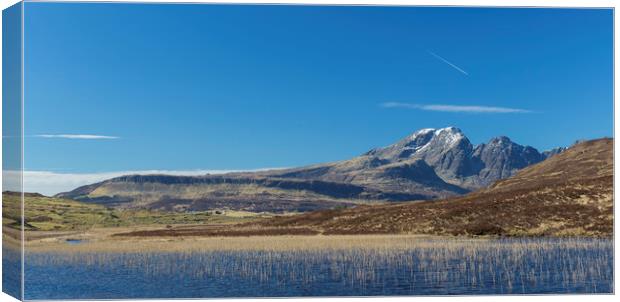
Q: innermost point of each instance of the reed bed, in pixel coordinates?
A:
(416, 266)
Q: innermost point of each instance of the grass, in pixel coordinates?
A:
(44, 213)
(55, 214)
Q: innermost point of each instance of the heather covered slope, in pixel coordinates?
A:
(570, 194)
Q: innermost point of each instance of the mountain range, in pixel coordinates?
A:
(570, 194)
(428, 164)
(432, 162)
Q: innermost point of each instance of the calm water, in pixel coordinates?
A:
(518, 266)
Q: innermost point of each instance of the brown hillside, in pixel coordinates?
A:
(570, 194)
(587, 160)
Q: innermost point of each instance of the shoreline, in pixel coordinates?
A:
(103, 241)
(250, 243)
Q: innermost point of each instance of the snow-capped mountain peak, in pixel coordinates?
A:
(454, 158)
(449, 136)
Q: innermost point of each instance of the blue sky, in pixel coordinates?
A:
(183, 87)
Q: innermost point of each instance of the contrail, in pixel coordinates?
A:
(448, 62)
(455, 108)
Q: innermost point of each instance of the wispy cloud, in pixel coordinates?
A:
(76, 136)
(50, 183)
(455, 108)
(438, 57)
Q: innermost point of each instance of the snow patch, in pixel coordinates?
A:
(424, 131)
(450, 136)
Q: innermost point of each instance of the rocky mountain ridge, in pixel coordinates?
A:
(457, 165)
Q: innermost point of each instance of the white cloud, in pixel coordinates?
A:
(50, 183)
(455, 108)
(459, 69)
(76, 136)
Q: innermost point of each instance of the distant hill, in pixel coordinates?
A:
(569, 194)
(428, 164)
(236, 192)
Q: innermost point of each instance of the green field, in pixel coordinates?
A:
(55, 214)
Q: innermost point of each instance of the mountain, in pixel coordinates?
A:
(457, 165)
(569, 194)
(428, 164)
